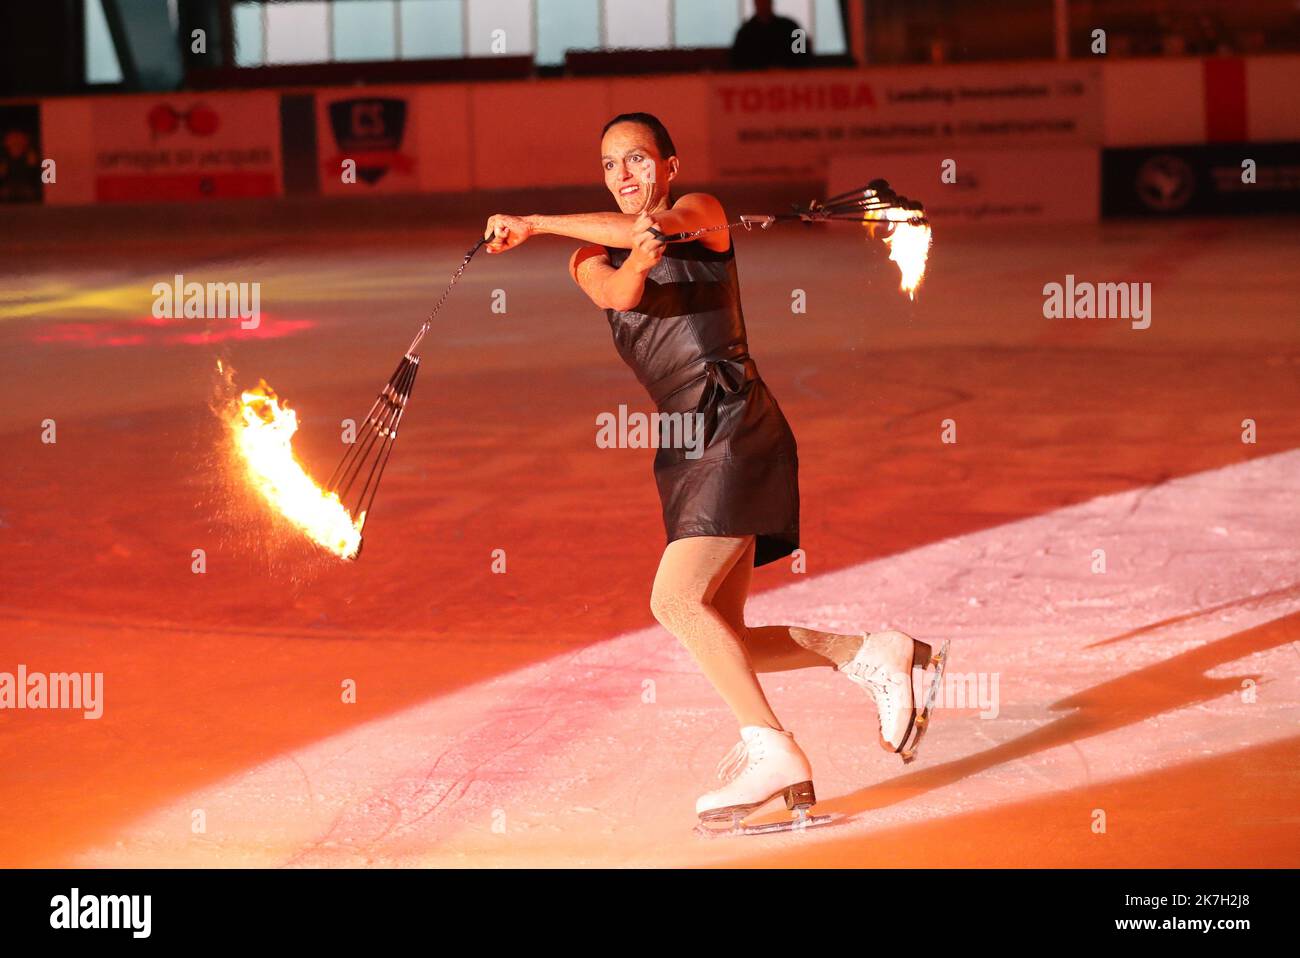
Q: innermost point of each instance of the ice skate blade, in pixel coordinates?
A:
(730, 820)
(797, 796)
(799, 823)
(922, 720)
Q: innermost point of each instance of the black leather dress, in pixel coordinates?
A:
(685, 341)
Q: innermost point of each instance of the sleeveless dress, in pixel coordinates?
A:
(685, 341)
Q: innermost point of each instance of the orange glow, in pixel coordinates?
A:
(909, 247)
(263, 430)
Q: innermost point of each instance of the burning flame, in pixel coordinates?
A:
(909, 247)
(263, 432)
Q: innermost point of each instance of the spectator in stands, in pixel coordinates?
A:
(766, 40)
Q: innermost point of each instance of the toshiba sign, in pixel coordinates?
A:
(788, 125)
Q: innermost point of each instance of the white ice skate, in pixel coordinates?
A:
(764, 764)
(883, 666)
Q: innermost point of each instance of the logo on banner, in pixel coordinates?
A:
(369, 132)
(1165, 183)
(200, 119)
(20, 154)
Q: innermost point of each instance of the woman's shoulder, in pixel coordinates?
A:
(708, 208)
(705, 203)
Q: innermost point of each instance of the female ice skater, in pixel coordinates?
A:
(674, 310)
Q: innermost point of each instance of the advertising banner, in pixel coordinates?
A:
(977, 186)
(367, 141)
(787, 125)
(1205, 179)
(186, 146)
(20, 153)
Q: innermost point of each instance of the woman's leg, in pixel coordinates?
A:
(770, 649)
(772, 645)
(690, 574)
(888, 660)
(778, 648)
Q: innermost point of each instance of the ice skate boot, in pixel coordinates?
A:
(883, 666)
(764, 764)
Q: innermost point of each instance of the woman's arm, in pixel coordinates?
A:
(690, 212)
(621, 288)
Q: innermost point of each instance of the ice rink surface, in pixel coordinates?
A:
(1145, 715)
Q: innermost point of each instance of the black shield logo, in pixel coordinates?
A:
(369, 130)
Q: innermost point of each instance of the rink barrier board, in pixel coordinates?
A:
(1201, 179)
(778, 126)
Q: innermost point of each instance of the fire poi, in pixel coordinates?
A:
(334, 517)
(876, 203)
(262, 429)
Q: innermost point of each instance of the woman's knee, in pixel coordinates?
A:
(675, 610)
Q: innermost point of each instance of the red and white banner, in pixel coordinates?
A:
(1186, 101)
(787, 125)
(186, 146)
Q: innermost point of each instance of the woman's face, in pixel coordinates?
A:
(633, 167)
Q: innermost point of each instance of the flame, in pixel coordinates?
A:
(909, 247)
(263, 432)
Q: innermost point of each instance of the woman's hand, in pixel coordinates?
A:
(647, 249)
(505, 232)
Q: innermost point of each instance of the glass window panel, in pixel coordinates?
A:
(248, 34)
(365, 30)
(641, 24)
(566, 25)
(432, 29)
(706, 23)
(297, 33)
(514, 20)
(828, 31)
(101, 56)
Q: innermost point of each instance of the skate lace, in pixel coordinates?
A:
(733, 761)
(874, 675)
(882, 683)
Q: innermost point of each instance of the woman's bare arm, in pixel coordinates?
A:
(621, 288)
(690, 212)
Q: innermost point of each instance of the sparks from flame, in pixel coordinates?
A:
(263, 431)
(909, 247)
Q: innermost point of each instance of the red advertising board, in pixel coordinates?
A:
(186, 146)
